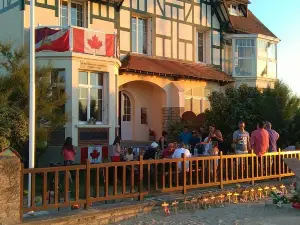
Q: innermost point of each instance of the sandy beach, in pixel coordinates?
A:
(235, 214)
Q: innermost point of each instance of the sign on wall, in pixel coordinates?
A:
(95, 154)
(144, 116)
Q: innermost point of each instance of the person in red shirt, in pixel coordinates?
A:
(168, 152)
(260, 140)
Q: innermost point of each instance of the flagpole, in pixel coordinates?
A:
(31, 97)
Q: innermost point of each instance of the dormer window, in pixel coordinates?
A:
(235, 10)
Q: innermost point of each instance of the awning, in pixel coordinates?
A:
(148, 65)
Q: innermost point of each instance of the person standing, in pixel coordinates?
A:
(260, 139)
(215, 137)
(185, 136)
(69, 152)
(273, 137)
(241, 139)
(260, 144)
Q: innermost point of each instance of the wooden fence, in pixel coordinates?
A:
(91, 183)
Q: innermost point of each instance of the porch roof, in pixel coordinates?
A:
(175, 68)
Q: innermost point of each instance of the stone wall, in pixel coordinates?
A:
(10, 184)
(95, 216)
(171, 114)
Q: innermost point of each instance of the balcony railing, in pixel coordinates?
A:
(76, 39)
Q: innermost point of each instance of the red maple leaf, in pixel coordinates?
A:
(94, 42)
(95, 154)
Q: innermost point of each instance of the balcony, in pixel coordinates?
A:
(76, 39)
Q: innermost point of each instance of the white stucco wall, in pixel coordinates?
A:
(11, 25)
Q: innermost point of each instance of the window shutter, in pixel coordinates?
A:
(149, 36)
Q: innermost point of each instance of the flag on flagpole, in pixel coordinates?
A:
(92, 42)
(52, 39)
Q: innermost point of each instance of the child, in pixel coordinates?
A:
(68, 151)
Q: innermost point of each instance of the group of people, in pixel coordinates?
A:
(263, 139)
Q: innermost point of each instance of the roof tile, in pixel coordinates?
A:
(176, 68)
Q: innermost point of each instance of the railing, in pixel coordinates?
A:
(117, 180)
(77, 39)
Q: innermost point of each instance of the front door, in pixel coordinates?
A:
(126, 117)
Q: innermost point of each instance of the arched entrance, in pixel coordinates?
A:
(126, 117)
(140, 110)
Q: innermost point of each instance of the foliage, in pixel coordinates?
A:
(227, 109)
(279, 197)
(277, 105)
(14, 94)
(281, 107)
(13, 127)
(175, 128)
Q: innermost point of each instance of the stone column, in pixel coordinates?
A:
(10, 169)
(170, 115)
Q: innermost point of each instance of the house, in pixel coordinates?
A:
(128, 66)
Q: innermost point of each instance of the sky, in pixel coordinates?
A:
(283, 19)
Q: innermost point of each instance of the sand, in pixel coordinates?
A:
(234, 214)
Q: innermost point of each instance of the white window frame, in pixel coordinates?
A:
(235, 57)
(104, 89)
(126, 99)
(84, 17)
(148, 34)
(204, 47)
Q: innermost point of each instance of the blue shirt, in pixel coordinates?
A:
(185, 137)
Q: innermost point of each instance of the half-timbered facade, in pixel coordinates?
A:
(165, 58)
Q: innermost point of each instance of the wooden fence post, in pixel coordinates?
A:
(141, 180)
(22, 191)
(252, 167)
(183, 170)
(87, 184)
(279, 164)
(221, 170)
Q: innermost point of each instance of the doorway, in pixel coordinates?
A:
(126, 117)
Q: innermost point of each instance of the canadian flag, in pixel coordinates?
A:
(92, 42)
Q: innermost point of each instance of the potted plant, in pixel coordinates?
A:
(92, 121)
(152, 135)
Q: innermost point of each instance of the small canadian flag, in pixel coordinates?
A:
(91, 42)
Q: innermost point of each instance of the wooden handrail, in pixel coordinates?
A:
(150, 176)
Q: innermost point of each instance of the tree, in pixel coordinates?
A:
(278, 105)
(280, 108)
(14, 94)
(227, 109)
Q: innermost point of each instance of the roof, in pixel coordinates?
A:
(250, 25)
(175, 68)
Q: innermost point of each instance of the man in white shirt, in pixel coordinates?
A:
(177, 154)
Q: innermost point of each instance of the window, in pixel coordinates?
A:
(91, 96)
(235, 10)
(200, 47)
(139, 35)
(196, 100)
(266, 49)
(58, 86)
(126, 108)
(266, 62)
(228, 57)
(76, 13)
(245, 57)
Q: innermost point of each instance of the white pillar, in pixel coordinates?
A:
(31, 97)
(112, 101)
